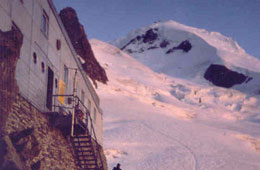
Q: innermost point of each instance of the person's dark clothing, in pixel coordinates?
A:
(117, 167)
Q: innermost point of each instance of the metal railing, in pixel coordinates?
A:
(72, 104)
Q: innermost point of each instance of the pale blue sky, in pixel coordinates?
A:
(110, 19)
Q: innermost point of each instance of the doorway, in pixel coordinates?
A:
(49, 89)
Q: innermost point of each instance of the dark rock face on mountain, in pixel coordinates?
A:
(164, 44)
(221, 76)
(149, 36)
(81, 44)
(185, 46)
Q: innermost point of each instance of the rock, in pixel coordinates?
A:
(25, 143)
(221, 76)
(149, 36)
(164, 44)
(10, 165)
(152, 47)
(16, 136)
(9, 160)
(81, 44)
(3, 151)
(10, 45)
(130, 42)
(185, 46)
(36, 166)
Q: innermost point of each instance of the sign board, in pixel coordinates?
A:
(62, 88)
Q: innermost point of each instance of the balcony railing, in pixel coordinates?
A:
(69, 105)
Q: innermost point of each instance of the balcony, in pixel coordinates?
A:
(70, 115)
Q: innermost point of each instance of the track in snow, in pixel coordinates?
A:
(195, 161)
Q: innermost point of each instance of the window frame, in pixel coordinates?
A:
(45, 23)
(66, 75)
(82, 96)
(89, 105)
(95, 115)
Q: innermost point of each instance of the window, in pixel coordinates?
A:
(58, 44)
(95, 115)
(43, 67)
(56, 83)
(82, 96)
(34, 58)
(45, 23)
(89, 105)
(66, 74)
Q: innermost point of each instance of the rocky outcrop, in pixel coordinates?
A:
(164, 44)
(10, 45)
(185, 46)
(221, 76)
(81, 44)
(150, 36)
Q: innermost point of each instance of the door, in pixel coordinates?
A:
(49, 89)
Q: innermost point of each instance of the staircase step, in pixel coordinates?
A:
(86, 155)
(83, 147)
(76, 137)
(82, 141)
(84, 151)
(86, 164)
(83, 156)
(87, 160)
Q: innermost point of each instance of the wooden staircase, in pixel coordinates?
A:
(85, 154)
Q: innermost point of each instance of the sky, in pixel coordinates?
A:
(107, 20)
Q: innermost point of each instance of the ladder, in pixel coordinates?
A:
(84, 151)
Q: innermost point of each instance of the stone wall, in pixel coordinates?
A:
(38, 145)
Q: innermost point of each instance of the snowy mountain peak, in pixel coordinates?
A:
(167, 30)
(189, 53)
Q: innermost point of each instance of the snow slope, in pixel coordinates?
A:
(155, 120)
